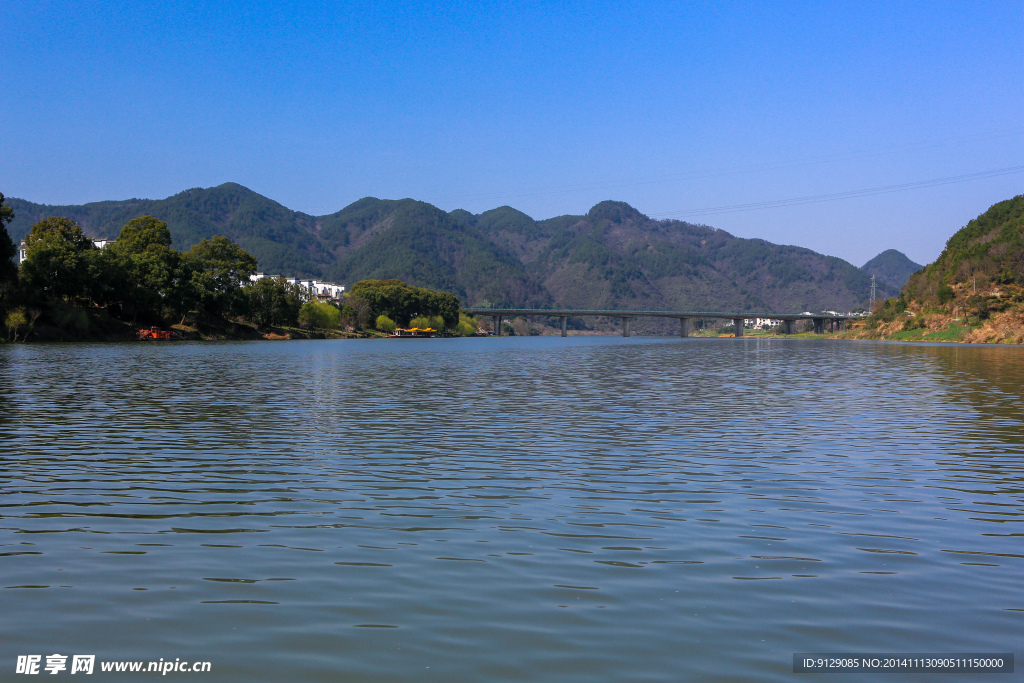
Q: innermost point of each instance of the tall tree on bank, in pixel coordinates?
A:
(273, 301)
(55, 266)
(219, 269)
(8, 250)
(156, 276)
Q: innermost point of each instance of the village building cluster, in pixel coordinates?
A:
(325, 291)
(761, 323)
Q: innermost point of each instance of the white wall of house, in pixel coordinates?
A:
(322, 290)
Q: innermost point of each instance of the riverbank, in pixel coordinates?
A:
(1000, 329)
(80, 326)
(1005, 327)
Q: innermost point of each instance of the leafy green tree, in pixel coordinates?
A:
(401, 302)
(156, 276)
(54, 268)
(467, 325)
(385, 324)
(273, 301)
(358, 312)
(219, 269)
(104, 278)
(8, 250)
(317, 315)
(15, 321)
(141, 233)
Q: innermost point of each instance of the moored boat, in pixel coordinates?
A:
(413, 333)
(153, 334)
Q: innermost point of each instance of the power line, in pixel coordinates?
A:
(833, 196)
(735, 170)
(713, 172)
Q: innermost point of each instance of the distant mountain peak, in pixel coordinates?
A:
(892, 266)
(616, 212)
(887, 255)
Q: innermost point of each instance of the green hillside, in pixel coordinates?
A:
(990, 248)
(892, 267)
(417, 242)
(614, 256)
(617, 257)
(282, 240)
(974, 291)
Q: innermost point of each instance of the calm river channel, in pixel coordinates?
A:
(513, 509)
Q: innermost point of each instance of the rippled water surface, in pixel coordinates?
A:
(509, 509)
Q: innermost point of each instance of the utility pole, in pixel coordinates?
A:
(872, 305)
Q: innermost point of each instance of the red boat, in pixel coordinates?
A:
(153, 334)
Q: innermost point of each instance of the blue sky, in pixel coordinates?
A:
(547, 107)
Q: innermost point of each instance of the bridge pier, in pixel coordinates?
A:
(565, 320)
(625, 326)
(788, 327)
(819, 326)
(684, 327)
(738, 324)
(496, 320)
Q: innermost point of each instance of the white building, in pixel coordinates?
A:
(321, 290)
(23, 248)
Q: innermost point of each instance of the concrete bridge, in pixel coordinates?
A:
(835, 321)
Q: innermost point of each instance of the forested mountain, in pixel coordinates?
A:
(612, 257)
(280, 238)
(892, 267)
(616, 257)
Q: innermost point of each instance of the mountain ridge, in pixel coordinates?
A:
(613, 256)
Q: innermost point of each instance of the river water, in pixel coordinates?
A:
(513, 509)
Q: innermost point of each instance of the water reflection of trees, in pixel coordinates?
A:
(990, 379)
(988, 465)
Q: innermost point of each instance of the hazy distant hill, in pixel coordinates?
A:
(614, 256)
(892, 267)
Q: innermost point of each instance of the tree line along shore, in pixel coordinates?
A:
(68, 289)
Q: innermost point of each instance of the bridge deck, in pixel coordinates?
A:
(730, 315)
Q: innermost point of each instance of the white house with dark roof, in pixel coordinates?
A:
(321, 290)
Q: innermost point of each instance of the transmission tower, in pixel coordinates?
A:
(872, 308)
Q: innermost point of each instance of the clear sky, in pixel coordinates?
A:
(549, 107)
